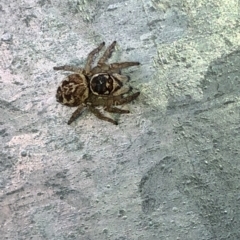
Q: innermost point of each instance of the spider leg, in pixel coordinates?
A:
(107, 53)
(117, 66)
(126, 99)
(91, 56)
(115, 110)
(120, 77)
(69, 68)
(76, 114)
(98, 114)
(122, 90)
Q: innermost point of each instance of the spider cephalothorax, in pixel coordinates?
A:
(106, 84)
(102, 85)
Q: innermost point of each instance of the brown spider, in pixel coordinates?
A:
(102, 85)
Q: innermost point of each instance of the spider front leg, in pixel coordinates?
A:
(127, 99)
(69, 68)
(122, 90)
(117, 66)
(107, 53)
(76, 114)
(98, 114)
(116, 110)
(91, 56)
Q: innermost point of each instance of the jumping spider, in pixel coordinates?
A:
(102, 85)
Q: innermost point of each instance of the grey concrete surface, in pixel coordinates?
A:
(169, 170)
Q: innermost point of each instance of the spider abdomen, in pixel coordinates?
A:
(73, 91)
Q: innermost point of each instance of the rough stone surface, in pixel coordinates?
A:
(170, 169)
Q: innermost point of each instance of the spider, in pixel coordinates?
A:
(102, 85)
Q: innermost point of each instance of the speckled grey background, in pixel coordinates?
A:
(169, 170)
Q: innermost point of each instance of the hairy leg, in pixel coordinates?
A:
(107, 53)
(117, 66)
(98, 114)
(122, 90)
(114, 68)
(127, 99)
(116, 110)
(91, 56)
(69, 68)
(120, 77)
(76, 114)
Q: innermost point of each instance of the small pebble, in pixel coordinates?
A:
(6, 37)
(23, 153)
